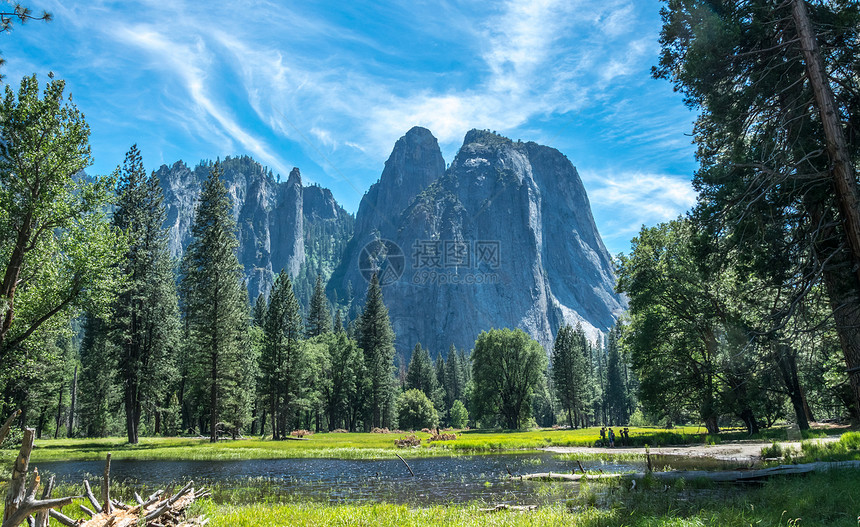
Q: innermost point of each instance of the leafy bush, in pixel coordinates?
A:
(415, 411)
(459, 414)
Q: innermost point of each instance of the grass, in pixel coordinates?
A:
(340, 446)
(827, 499)
(371, 446)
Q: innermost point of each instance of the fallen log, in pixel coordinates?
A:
(728, 476)
(506, 507)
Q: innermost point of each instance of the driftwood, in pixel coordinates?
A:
(405, 463)
(506, 507)
(728, 476)
(22, 506)
(21, 502)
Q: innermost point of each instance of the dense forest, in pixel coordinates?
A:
(744, 312)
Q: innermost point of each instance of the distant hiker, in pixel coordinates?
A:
(603, 436)
(626, 435)
(611, 438)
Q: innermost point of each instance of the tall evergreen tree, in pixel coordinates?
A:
(146, 316)
(319, 317)
(376, 339)
(214, 300)
(258, 312)
(98, 393)
(281, 358)
(616, 391)
(420, 374)
(455, 378)
(570, 372)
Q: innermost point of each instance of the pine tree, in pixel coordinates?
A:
(146, 316)
(319, 317)
(214, 300)
(619, 405)
(376, 339)
(281, 357)
(98, 394)
(258, 312)
(570, 372)
(338, 323)
(420, 374)
(455, 378)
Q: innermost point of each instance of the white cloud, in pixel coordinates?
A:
(631, 199)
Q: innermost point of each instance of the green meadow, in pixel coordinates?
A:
(344, 445)
(828, 499)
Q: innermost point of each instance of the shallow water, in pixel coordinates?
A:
(437, 480)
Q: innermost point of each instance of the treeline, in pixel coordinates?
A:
(102, 333)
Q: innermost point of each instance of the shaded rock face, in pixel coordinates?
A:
(269, 216)
(503, 238)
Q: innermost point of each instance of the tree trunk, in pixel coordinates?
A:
(786, 360)
(749, 420)
(59, 413)
(72, 404)
(711, 425)
(846, 310)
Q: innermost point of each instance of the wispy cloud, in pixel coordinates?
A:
(636, 199)
(334, 86)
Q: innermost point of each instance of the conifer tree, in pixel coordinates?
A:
(420, 374)
(338, 323)
(146, 316)
(619, 405)
(214, 300)
(455, 378)
(319, 318)
(281, 357)
(570, 372)
(258, 312)
(98, 392)
(376, 339)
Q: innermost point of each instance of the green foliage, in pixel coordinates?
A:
(571, 371)
(458, 415)
(214, 300)
(376, 338)
(776, 187)
(282, 358)
(145, 313)
(416, 411)
(507, 366)
(421, 375)
(59, 252)
(319, 313)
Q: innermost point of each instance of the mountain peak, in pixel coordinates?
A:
(484, 137)
(295, 177)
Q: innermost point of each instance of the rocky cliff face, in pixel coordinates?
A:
(503, 238)
(270, 218)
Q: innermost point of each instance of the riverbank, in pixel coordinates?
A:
(371, 445)
(741, 451)
(815, 500)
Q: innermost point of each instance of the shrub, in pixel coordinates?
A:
(376, 430)
(301, 433)
(459, 414)
(415, 411)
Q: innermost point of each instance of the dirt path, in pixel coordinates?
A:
(735, 451)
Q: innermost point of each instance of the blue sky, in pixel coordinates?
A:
(330, 86)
